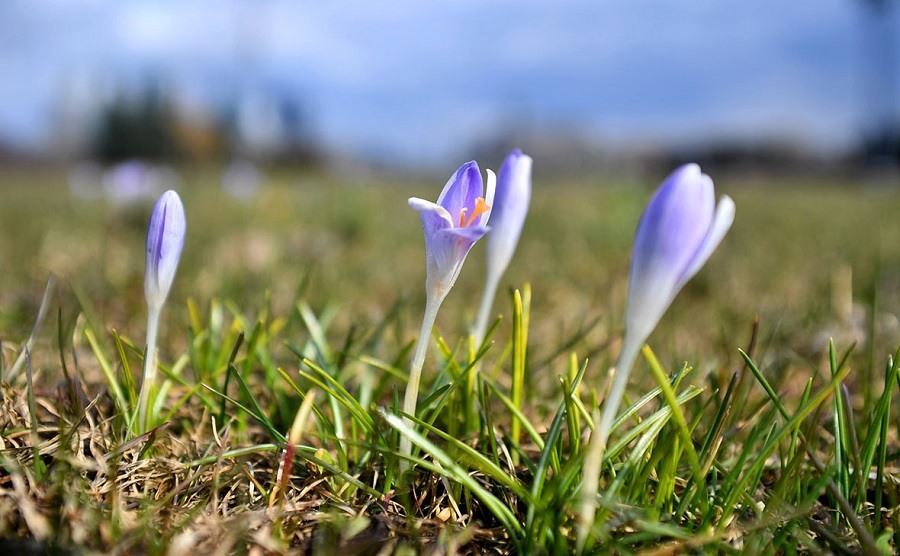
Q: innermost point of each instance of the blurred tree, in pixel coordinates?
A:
(881, 129)
(141, 127)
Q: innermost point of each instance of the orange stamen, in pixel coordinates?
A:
(480, 208)
(462, 217)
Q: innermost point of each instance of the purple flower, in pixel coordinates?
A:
(507, 218)
(678, 232)
(509, 210)
(454, 224)
(165, 238)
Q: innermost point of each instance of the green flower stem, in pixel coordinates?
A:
(432, 304)
(478, 333)
(596, 447)
(484, 312)
(149, 377)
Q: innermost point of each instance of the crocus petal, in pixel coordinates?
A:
(675, 223)
(450, 246)
(165, 239)
(648, 298)
(468, 235)
(434, 216)
(490, 189)
(510, 207)
(461, 191)
(445, 252)
(721, 224)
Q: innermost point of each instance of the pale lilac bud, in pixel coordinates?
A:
(678, 232)
(508, 213)
(454, 224)
(165, 238)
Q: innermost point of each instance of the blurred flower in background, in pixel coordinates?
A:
(241, 179)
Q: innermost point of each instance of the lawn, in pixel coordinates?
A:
(286, 342)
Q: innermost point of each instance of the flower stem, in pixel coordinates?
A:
(478, 332)
(149, 377)
(596, 447)
(484, 312)
(432, 304)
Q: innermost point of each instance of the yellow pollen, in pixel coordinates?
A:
(480, 208)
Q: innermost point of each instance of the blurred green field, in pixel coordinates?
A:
(797, 255)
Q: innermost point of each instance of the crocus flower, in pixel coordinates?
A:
(507, 218)
(451, 226)
(165, 238)
(454, 224)
(677, 233)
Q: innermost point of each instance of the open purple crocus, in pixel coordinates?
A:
(454, 224)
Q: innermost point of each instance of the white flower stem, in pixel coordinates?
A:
(432, 304)
(149, 377)
(596, 447)
(484, 312)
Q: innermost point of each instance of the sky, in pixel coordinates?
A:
(420, 82)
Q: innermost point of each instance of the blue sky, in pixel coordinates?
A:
(422, 81)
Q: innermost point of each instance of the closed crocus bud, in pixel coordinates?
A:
(165, 238)
(678, 232)
(507, 218)
(508, 212)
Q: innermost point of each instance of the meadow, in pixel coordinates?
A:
(285, 345)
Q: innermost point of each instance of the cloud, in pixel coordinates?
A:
(434, 73)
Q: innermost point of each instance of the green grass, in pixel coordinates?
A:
(285, 348)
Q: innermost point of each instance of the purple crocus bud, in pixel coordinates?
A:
(509, 210)
(454, 224)
(507, 218)
(165, 238)
(678, 232)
